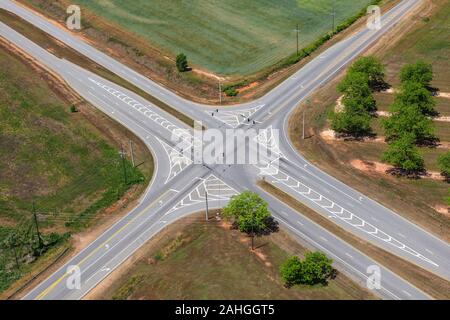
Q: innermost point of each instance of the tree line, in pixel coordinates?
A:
(410, 123)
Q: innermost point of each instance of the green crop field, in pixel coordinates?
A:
(231, 37)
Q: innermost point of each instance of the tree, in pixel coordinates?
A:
(182, 63)
(444, 164)
(420, 72)
(408, 119)
(413, 93)
(250, 214)
(351, 123)
(291, 271)
(402, 154)
(372, 68)
(356, 91)
(316, 268)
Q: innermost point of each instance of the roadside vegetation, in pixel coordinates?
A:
(315, 269)
(217, 264)
(394, 151)
(58, 169)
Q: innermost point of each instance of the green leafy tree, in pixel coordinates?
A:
(356, 91)
(291, 271)
(372, 68)
(351, 122)
(182, 63)
(402, 154)
(413, 93)
(408, 119)
(250, 214)
(316, 268)
(419, 72)
(444, 164)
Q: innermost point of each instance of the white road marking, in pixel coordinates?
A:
(407, 293)
(335, 209)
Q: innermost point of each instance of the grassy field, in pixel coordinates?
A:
(49, 156)
(218, 264)
(416, 199)
(226, 37)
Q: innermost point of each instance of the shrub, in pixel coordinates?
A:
(291, 271)
(230, 91)
(181, 62)
(316, 268)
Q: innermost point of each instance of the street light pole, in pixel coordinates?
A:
(297, 31)
(207, 209)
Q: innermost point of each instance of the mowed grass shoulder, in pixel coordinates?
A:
(226, 37)
(206, 260)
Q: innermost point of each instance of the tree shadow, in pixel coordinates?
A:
(410, 174)
(381, 86)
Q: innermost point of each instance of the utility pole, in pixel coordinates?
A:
(41, 244)
(207, 209)
(303, 135)
(334, 14)
(220, 93)
(132, 153)
(122, 155)
(297, 32)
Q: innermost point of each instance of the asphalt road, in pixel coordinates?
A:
(179, 185)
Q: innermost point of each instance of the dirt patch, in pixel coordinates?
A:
(382, 168)
(330, 135)
(442, 209)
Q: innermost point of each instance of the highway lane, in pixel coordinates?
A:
(259, 105)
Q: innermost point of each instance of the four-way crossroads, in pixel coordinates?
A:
(179, 184)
